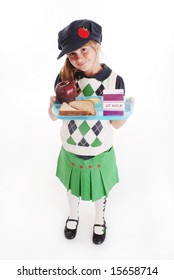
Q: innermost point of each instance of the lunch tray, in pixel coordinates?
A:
(99, 111)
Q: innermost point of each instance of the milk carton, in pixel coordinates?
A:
(113, 102)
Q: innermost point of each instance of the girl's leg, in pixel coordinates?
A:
(73, 202)
(99, 217)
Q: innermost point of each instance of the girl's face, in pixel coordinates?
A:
(85, 59)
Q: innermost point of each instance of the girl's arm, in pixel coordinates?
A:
(119, 123)
(52, 100)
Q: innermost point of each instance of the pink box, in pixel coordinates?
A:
(113, 102)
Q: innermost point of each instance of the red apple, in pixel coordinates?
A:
(65, 91)
(83, 32)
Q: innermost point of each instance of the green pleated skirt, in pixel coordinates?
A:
(89, 179)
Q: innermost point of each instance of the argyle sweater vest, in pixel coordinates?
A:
(90, 137)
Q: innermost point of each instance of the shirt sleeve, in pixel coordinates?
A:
(119, 83)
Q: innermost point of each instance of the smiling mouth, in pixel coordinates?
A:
(81, 64)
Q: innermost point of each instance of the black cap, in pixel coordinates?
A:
(77, 34)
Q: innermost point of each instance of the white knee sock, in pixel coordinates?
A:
(100, 211)
(73, 202)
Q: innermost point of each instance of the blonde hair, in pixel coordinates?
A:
(68, 71)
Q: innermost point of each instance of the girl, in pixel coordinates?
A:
(86, 163)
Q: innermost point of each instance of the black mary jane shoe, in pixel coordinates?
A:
(99, 238)
(70, 233)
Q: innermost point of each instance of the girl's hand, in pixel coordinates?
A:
(132, 101)
(119, 123)
(52, 100)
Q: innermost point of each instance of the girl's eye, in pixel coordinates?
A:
(84, 50)
(71, 54)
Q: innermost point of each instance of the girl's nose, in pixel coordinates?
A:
(79, 56)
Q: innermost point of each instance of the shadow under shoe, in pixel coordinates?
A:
(99, 238)
(70, 233)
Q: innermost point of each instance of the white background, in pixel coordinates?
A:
(138, 44)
